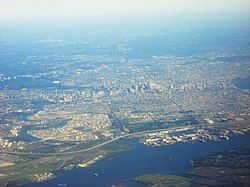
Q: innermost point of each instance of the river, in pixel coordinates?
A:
(142, 159)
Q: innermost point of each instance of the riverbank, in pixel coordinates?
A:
(121, 168)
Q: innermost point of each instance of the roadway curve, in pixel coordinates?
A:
(94, 147)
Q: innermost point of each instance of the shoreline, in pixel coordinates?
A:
(136, 145)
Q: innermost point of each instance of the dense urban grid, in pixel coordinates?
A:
(80, 107)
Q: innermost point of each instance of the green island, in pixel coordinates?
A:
(159, 180)
(78, 109)
(226, 168)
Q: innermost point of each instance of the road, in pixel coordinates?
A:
(96, 146)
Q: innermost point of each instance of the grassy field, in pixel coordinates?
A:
(226, 168)
(23, 172)
(160, 180)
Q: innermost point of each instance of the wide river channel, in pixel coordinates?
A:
(142, 159)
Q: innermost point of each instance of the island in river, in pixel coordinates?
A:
(121, 168)
(70, 99)
(227, 168)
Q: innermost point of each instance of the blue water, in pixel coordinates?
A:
(143, 159)
(25, 136)
(242, 83)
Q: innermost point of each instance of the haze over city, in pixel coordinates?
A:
(135, 93)
(47, 9)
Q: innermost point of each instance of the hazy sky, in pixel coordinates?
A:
(26, 9)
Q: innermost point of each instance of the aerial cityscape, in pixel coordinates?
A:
(155, 102)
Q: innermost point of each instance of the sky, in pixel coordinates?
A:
(58, 9)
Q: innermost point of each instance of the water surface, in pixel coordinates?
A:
(143, 159)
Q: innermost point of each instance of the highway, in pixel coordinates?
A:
(96, 146)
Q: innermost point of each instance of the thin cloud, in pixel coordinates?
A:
(22, 9)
